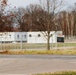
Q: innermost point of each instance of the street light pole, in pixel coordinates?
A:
(21, 42)
(1, 40)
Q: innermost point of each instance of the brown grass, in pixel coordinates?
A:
(53, 52)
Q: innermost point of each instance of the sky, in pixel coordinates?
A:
(24, 3)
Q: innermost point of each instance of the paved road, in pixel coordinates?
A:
(64, 57)
(30, 64)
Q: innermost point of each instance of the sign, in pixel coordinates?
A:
(60, 39)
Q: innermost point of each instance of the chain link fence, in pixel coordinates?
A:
(69, 43)
(26, 46)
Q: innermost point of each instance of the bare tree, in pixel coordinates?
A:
(20, 19)
(52, 7)
(74, 19)
(36, 18)
(43, 17)
(4, 20)
(74, 27)
(3, 4)
(68, 24)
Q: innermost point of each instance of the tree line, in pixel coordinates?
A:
(34, 18)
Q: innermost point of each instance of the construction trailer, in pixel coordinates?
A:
(41, 37)
(13, 37)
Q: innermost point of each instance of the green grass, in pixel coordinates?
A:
(61, 73)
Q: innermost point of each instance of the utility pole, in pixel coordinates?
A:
(21, 41)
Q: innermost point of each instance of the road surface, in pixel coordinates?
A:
(31, 64)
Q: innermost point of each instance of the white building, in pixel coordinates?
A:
(13, 36)
(29, 37)
(40, 37)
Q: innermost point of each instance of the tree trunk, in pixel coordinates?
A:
(48, 40)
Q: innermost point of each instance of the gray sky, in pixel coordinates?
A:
(24, 3)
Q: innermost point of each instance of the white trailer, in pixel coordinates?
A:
(13, 37)
(29, 37)
(39, 37)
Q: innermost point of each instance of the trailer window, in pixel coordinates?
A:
(18, 36)
(24, 36)
(30, 35)
(39, 35)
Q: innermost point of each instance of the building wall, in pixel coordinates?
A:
(29, 37)
(7, 36)
(20, 36)
(33, 37)
(13, 36)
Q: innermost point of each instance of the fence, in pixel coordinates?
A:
(69, 43)
(26, 46)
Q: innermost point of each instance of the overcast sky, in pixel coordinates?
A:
(20, 3)
(24, 3)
